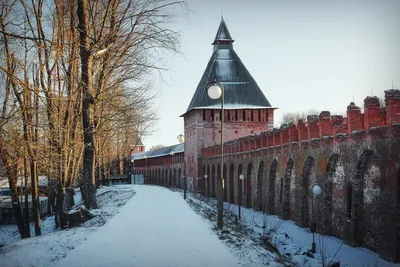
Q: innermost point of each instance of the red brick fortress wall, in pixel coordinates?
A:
(355, 159)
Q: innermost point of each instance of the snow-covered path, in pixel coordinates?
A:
(156, 228)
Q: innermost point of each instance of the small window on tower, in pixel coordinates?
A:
(212, 115)
(259, 115)
(252, 115)
(236, 115)
(229, 115)
(244, 114)
(204, 115)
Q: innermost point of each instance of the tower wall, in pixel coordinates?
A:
(203, 129)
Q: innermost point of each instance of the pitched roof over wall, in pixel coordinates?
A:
(165, 151)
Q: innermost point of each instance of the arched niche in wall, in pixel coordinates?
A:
(231, 183)
(271, 187)
(213, 181)
(240, 185)
(174, 183)
(365, 201)
(260, 178)
(305, 194)
(208, 181)
(203, 181)
(218, 177)
(334, 197)
(248, 185)
(170, 178)
(286, 189)
(179, 178)
(225, 182)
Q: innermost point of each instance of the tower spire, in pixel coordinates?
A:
(223, 36)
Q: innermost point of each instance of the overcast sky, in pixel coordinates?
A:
(308, 54)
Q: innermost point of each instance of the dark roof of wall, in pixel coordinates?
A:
(225, 67)
(179, 148)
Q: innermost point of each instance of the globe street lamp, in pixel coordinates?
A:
(180, 138)
(317, 190)
(215, 90)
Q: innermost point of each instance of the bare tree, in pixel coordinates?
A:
(74, 84)
(87, 99)
(126, 35)
(10, 120)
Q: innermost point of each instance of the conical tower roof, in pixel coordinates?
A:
(225, 67)
(139, 143)
(222, 33)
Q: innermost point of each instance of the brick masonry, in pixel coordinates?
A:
(355, 159)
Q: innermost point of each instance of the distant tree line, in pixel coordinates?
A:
(156, 147)
(292, 117)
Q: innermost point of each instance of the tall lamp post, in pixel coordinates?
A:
(215, 90)
(316, 191)
(131, 171)
(181, 139)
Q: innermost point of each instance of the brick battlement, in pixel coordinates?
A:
(325, 130)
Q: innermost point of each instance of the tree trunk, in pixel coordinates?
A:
(26, 206)
(69, 199)
(87, 100)
(16, 205)
(35, 197)
(52, 201)
(98, 180)
(62, 216)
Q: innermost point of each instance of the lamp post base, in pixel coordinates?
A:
(220, 206)
(313, 228)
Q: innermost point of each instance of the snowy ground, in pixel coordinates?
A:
(157, 228)
(292, 242)
(54, 245)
